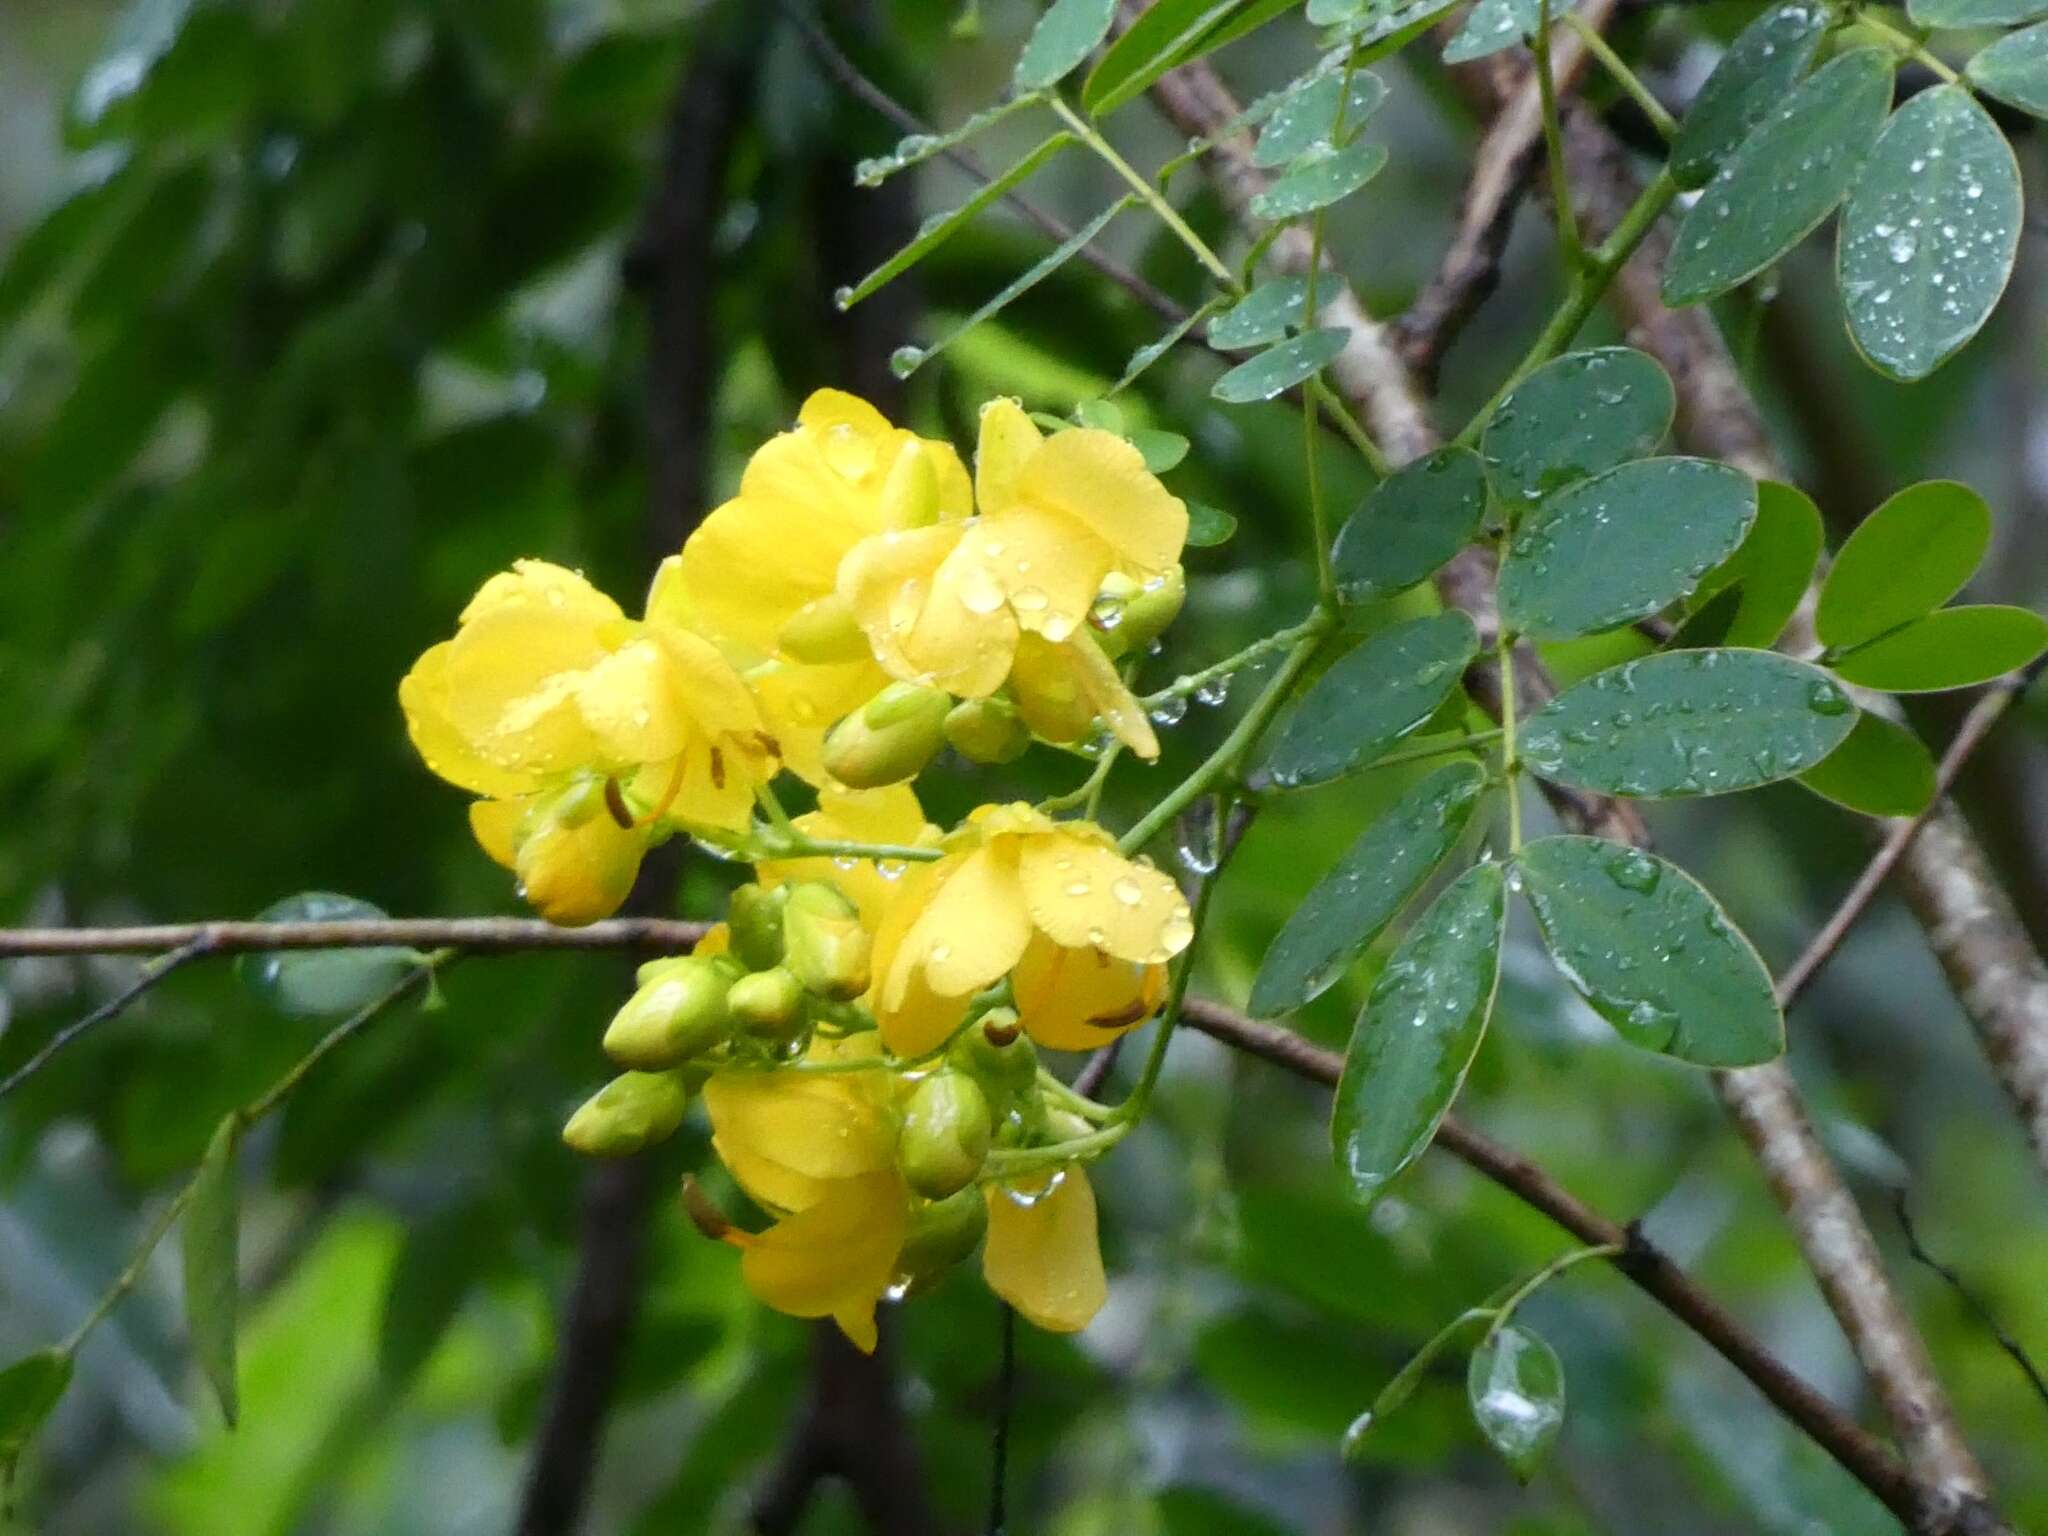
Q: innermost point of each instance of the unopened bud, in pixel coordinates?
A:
(1133, 614)
(945, 1135)
(997, 1053)
(681, 1013)
(575, 863)
(987, 730)
(941, 1235)
(824, 631)
(1065, 1125)
(631, 1112)
(890, 739)
(755, 917)
(910, 492)
(768, 1004)
(824, 945)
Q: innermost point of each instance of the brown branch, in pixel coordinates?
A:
(476, 935)
(1859, 1452)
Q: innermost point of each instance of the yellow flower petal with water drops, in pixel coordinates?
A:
(1078, 999)
(632, 707)
(1043, 1255)
(835, 1259)
(1084, 894)
(784, 1133)
(913, 1019)
(1008, 438)
(1101, 482)
(496, 824)
(426, 696)
(1062, 689)
(890, 815)
(577, 874)
(972, 930)
(922, 613)
(544, 587)
(1045, 567)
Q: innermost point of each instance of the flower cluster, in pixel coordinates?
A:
(863, 1029)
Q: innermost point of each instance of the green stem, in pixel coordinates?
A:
(1193, 682)
(1420, 754)
(1089, 789)
(1598, 46)
(1148, 194)
(1067, 1098)
(1510, 759)
(1334, 407)
(799, 846)
(1505, 1311)
(1006, 1163)
(1906, 46)
(1570, 245)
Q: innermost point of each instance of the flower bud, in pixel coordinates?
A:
(1065, 1125)
(824, 631)
(997, 1053)
(681, 1013)
(910, 492)
(825, 946)
(1132, 615)
(575, 863)
(890, 739)
(631, 1112)
(755, 918)
(941, 1235)
(768, 1004)
(945, 1135)
(987, 730)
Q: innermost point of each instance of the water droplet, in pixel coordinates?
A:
(1127, 890)
(905, 361)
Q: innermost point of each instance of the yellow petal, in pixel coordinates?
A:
(775, 1129)
(1084, 894)
(1008, 438)
(1078, 999)
(888, 815)
(511, 677)
(549, 588)
(914, 609)
(800, 703)
(425, 697)
(836, 1258)
(496, 824)
(633, 708)
(918, 1020)
(1047, 568)
(972, 930)
(1101, 482)
(1043, 1257)
(1063, 689)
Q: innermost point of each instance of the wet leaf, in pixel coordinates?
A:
(1621, 545)
(319, 983)
(1785, 179)
(1689, 723)
(1975, 13)
(1264, 315)
(1492, 26)
(1929, 234)
(1766, 60)
(2015, 70)
(1166, 34)
(1278, 369)
(1306, 119)
(1161, 451)
(1377, 693)
(1354, 901)
(1954, 648)
(1318, 179)
(1883, 769)
(1410, 526)
(1768, 576)
(1208, 526)
(1515, 1385)
(1904, 560)
(1651, 951)
(29, 1390)
(1574, 417)
(1419, 1032)
(1402, 1387)
(1065, 35)
(211, 1239)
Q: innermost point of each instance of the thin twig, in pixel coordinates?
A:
(1006, 1407)
(152, 973)
(474, 935)
(1978, 1307)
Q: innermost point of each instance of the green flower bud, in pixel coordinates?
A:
(910, 491)
(945, 1135)
(824, 631)
(825, 946)
(1130, 616)
(1065, 1125)
(681, 1013)
(941, 1235)
(755, 917)
(768, 1004)
(631, 1112)
(997, 1053)
(889, 740)
(987, 730)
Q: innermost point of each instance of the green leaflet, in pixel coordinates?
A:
(1278, 369)
(1622, 545)
(1953, 648)
(1651, 951)
(1410, 525)
(1065, 35)
(1492, 26)
(1306, 118)
(2015, 70)
(1419, 1031)
(1689, 723)
(1881, 770)
(1369, 886)
(1929, 234)
(1975, 13)
(1906, 559)
(1515, 1387)
(1766, 579)
(212, 1251)
(1766, 60)
(1319, 178)
(1785, 179)
(1377, 692)
(1263, 316)
(1574, 417)
(29, 1389)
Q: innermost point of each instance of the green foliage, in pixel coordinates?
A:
(1574, 417)
(1278, 369)
(29, 1389)
(1881, 769)
(1065, 35)
(1317, 116)
(1903, 561)
(1411, 525)
(1974, 13)
(1263, 316)
(212, 1247)
(1420, 1030)
(1767, 59)
(2015, 70)
(1767, 578)
(1515, 1384)
(1950, 649)
(1319, 179)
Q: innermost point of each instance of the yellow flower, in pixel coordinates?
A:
(1042, 1254)
(547, 682)
(889, 816)
(1087, 932)
(760, 575)
(956, 605)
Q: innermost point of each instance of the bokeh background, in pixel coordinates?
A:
(315, 312)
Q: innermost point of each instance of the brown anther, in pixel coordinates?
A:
(999, 1035)
(615, 802)
(718, 768)
(1129, 1014)
(705, 1216)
